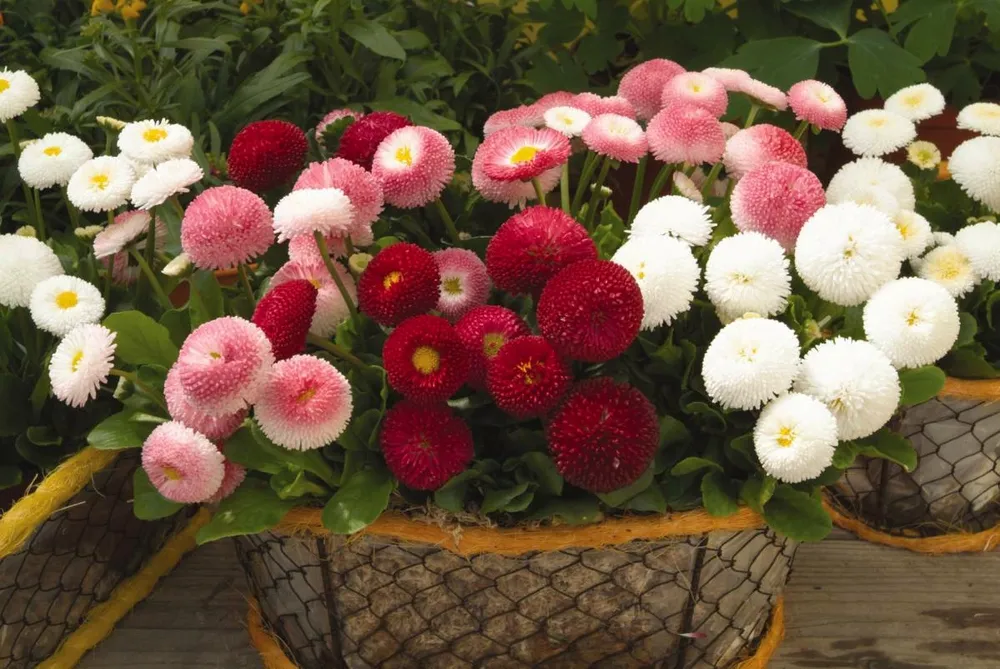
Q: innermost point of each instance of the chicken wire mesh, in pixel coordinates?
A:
(956, 483)
(72, 562)
(375, 602)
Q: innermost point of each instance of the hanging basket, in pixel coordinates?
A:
(954, 489)
(634, 592)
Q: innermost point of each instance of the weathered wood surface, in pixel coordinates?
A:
(850, 605)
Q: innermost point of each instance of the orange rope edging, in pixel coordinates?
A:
(984, 390)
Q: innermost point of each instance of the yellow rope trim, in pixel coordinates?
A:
(769, 644)
(101, 619)
(467, 541)
(21, 520)
(985, 390)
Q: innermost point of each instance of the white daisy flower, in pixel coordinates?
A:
(975, 166)
(942, 239)
(308, 210)
(169, 178)
(127, 228)
(686, 187)
(178, 266)
(52, 160)
(101, 184)
(878, 197)
(876, 132)
(917, 103)
(155, 141)
(795, 437)
(60, 303)
(980, 243)
(81, 363)
(948, 267)
(750, 362)
(981, 117)
(570, 121)
(856, 382)
(26, 263)
(913, 321)
(667, 274)
(924, 155)
(675, 216)
(915, 232)
(747, 273)
(845, 252)
(863, 173)
(18, 93)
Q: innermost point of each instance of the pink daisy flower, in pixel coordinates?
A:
(182, 465)
(776, 199)
(732, 79)
(413, 164)
(464, 282)
(521, 154)
(184, 410)
(556, 99)
(335, 115)
(759, 144)
(306, 403)
(357, 183)
(303, 249)
(121, 271)
(729, 129)
(232, 476)
(226, 226)
(595, 105)
(643, 85)
(128, 227)
(616, 136)
(331, 310)
(700, 90)
(525, 116)
(765, 94)
(818, 104)
(222, 364)
(302, 212)
(685, 134)
(511, 193)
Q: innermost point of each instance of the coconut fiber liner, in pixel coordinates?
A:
(683, 590)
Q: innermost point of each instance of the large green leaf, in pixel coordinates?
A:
(251, 509)
(920, 384)
(140, 340)
(797, 515)
(716, 494)
(693, 464)
(374, 36)
(832, 14)
(931, 26)
(501, 499)
(889, 445)
(205, 303)
(358, 502)
(780, 62)
(148, 503)
(617, 498)
(879, 65)
(121, 431)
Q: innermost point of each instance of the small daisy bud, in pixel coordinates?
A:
(26, 231)
(178, 266)
(110, 123)
(359, 261)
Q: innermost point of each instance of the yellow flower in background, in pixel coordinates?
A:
(247, 5)
(924, 155)
(98, 7)
(130, 9)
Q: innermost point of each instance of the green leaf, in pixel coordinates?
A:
(205, 303)
(251, 448)
(497, 500)
(43, 435)
(120, 431)
(920, 384)
(15, 410)
(251, 509)
(361, 431)
(358, 502)
(374, 36)
(544, 472)
(891, 446)
(846, 453)
(797, 515)
(417, 113)
(293, 485)
(617, 498)
(879, 65)
(673, 432)
(693, 464)
(451, 496)
(832, 14)
(968, 328)
(330, 139)
(581, 511)
(178, 324)
(716, 494)
(140, 340)
(10, 475)
(756, 492)
(931, 26)
(781, 61)
(148, 503)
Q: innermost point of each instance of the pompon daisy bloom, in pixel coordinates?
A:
(524, 116)
(750, 362)
(18, 93)
(975, 166)
(765, 94)
(361, 188)
(878, 197)
(27, 262)
(854, 178)
(305, 211)
(169, 178)
(332, 117)
(915, 231)
(101, 184)
(676, 216)
(464, 282)
(981, 117)
(331, 310)
(511, 193)
(917, 103)
(845, 252)
(484, 331)
(266, 154)
(527, 378)
(425, 361)
(532, 246)
(876, 132)
(306, 403)
(856, 382)
(521, 154)
(595, 105)
(759, 144)
(666, 272)
(401, 281)
(186, 411)
(948, 267)
(777, 199)
(732, 79)
(643, 85)
(591, 311)
(617, 137)
(81, 363)
(183, 465)
(232, 476)
(303, 248)
(687, 187)
(361, 139)
(225, 226)
(413, 164)
(685, 134)
(52, 160)
(603, 436)
(285, 316)
(924, 155)
(795, 437)
(423, 445)
(223, 363)
(60, 303)
(550, 100)
(913, 321)
(747, 273)
(818, 104)
(154, 142)
(980, 243)
(695, 88)
(569, 121)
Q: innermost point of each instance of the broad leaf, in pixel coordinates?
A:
(148, 503)
(374, 36)
(879, 65)
(120, 431)
(693, 464)
(797, 515)
(920, 384)
(832, 14)
(205, 303)
(781, 62)
(716, 494)
(617, 498)
(140, 340)
(357, 504)
(889, 445)
(497, 500)
(251, 509)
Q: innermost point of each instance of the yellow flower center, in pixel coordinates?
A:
(391, 279)
(306, 395)
(529, 371)
(904, 229)
(315, 282)
(524, 154)
(154, 135)
(740, 277)
(913, 100)
(492, 343)
(822, 95)
(404, 156)
(567, 120)
(426, 360)
(913, 318)
(74, 364)
(66, 299)
(214, 355)
(100, 181)
(172, 474)
(695, 88)
(877, 122)
(948, 267)
(452, 285)
(52, 151)
(786, 436)
(4, 85)
(985, 112)
(641, 274)
(747, 354)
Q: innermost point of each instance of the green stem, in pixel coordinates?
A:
(564, 187)
(449, 222)
(751, 115)
(177, 205)
(539, 193)
(706, 188)
(660, 180)
(336, 350)
(29, 200)
(589, 165)
(145, 388)
(640, 176)
(151, 239)
(348, 246)
(74, 215)
(245, 281)
(596, 195)
(148, 272)
(334, 274)
(800, 130)
(27, 329)
(38, 210)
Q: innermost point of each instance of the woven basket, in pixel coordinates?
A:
(619, 594)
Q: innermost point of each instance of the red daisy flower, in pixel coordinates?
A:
(527, 377)
(520, 154)
(266, 154)
(591, 310)
(604, 435)
(425, 445)
(533, 245)
(285, 315)
(484, 330)
(425, 360)
(403, 280)
(361, 139)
